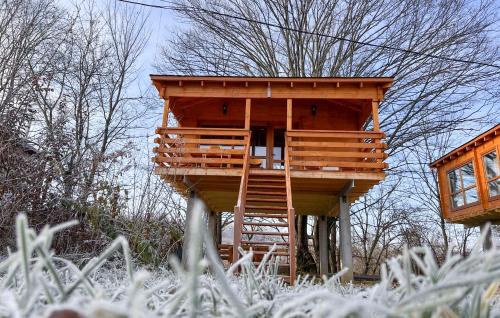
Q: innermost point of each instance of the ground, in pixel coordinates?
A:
(36, 283)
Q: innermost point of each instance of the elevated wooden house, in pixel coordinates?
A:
(469, 180)
(271, 148)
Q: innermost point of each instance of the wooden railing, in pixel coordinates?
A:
(201, 147)
(336, 150)
(290, 214)
(239, 209)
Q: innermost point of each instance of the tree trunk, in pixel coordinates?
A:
(305, 261)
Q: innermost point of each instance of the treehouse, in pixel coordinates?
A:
(469, 180)
(268, 149)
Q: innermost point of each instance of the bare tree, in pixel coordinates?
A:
(430, 95)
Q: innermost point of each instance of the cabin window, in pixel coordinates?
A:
(492, 171)
(463, 186)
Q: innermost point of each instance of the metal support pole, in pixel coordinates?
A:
(323, 246)
(345, 233)
(487, 244)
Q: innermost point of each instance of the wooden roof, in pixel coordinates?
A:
(477, 141)
(160, 81)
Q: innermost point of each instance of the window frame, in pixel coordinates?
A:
(486, 180)
(462, 190)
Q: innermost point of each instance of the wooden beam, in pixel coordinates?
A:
(248, 106)
(268, 91)
(166, 109)
(289, 114)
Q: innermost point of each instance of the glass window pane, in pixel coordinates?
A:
(471, 196)
(494, 188)
(491, 165)
(468, 175)
(454, 182)
(457, 200)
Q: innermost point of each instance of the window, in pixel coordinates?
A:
(492, 171)
(463, 186)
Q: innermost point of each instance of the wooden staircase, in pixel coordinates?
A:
(264, 217)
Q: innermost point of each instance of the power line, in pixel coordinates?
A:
(380, 46)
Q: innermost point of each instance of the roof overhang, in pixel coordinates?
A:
(477, 141)
(177, 84)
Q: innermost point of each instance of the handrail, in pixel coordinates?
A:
(290, 212)
(239, 209)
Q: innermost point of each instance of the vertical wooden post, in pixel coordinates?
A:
(376, 126)
(323, 246)
(248, 104)
(166, 109)
(289, 114)
(270, 146)
(376, 123)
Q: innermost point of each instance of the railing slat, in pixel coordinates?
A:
(180, 141)
(211, 151)
(339, 164)
(336, 154)
(328, 144)
(199, 160)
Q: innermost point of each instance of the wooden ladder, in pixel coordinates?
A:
(265, 217)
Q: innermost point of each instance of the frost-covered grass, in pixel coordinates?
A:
(34, 283)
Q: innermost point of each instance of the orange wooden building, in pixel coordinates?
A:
(469, 180)
(271, 148)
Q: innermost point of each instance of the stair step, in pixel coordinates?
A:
(266, 186)
(267, 180)
(264, 215)
(258, 199)
(265, 224)
(265, 207)
(263, 243)
(266, 193)
(273, 253)
(267, 173)
(265, 233)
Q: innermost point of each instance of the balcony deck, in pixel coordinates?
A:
(320, 162)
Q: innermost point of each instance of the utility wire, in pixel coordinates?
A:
(269, 24)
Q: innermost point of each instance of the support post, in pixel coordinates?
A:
(323, 246)
(166, 109)
(376, 123)
(289, 114)
(187, 227)
(248, 106)
(212, 226)
(487, 244)
(345, 232)
(218, 225)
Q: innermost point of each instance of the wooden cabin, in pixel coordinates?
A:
(271, 148)
(469, 180)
